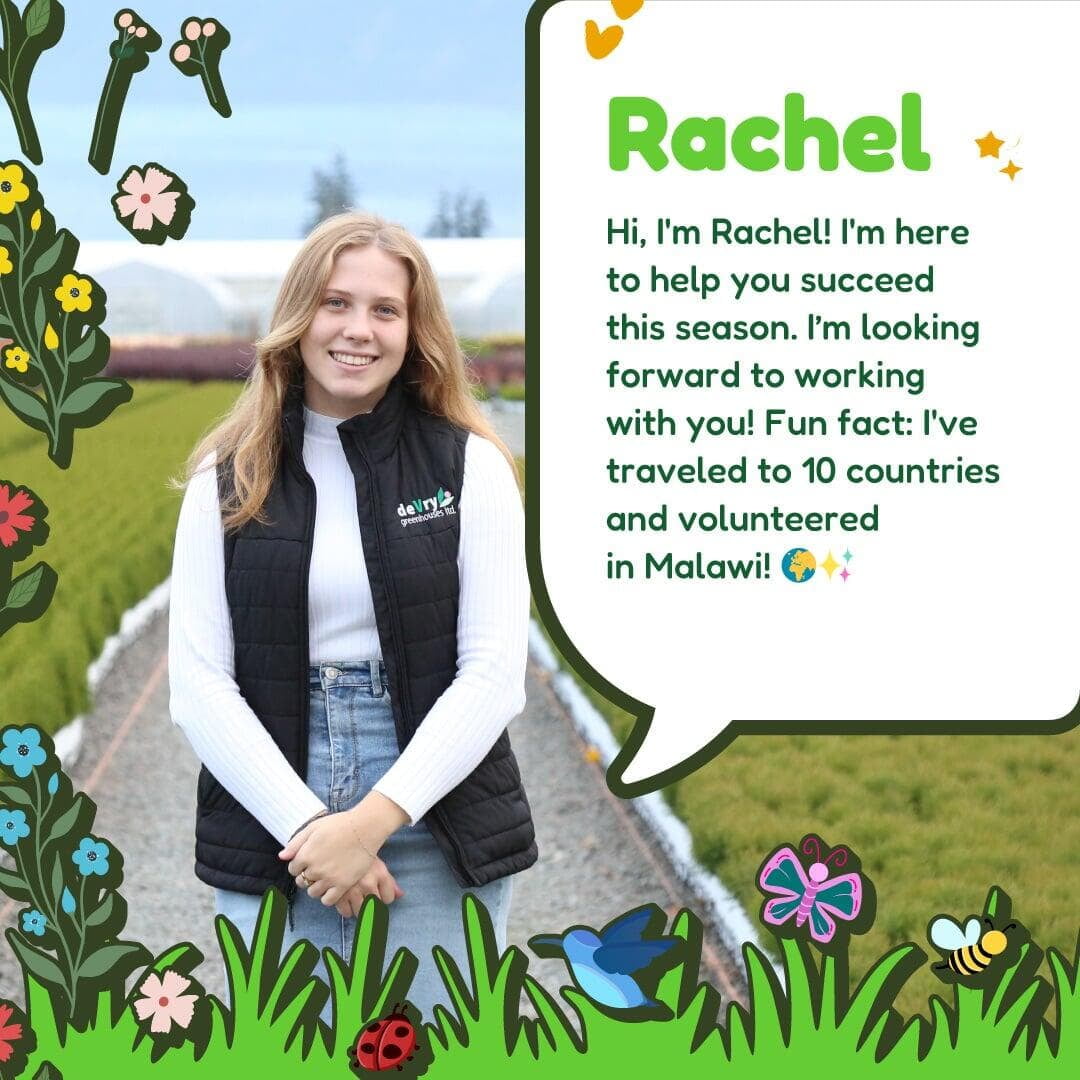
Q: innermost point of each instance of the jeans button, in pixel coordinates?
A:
(331, 672)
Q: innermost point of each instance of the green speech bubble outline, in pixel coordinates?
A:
(641, 711)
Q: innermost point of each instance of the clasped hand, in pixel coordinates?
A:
(336, 854)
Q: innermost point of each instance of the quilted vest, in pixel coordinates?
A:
(407, 464)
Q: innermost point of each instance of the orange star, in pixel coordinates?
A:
(989, 145)
(1011, 170)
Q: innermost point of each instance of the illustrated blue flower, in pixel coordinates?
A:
(92, 857)
(33, 922)
(22, 750)
(13, 826)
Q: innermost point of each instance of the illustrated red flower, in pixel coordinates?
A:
(9, 1033)
(12, 519)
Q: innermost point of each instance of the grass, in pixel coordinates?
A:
(112, 519)
(271, 1020)
(807, 1019)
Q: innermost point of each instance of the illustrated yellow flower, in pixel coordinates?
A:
(51, 340)
(74, 293)
(5, 261)
(16, 358)
(12, 189)
(35, 220)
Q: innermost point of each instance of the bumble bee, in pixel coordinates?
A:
(968, 951)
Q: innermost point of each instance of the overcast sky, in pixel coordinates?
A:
(417, 94)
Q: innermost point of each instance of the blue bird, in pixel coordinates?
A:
(603, 965)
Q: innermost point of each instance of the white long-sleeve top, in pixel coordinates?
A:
(492, 634)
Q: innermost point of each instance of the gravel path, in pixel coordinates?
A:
(137, 766)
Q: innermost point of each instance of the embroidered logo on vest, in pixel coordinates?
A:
(441, 504)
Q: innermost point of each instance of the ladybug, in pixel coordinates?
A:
(386, 1043)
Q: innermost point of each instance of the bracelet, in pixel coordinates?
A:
(314, 817)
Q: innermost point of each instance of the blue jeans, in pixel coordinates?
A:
(351, 744)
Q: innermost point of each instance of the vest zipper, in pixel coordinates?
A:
(399, 654)
(305, 647)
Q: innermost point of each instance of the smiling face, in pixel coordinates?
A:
(357, 341)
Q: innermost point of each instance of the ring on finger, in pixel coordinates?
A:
(306, 880)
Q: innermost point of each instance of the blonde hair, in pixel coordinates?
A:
(249, 436)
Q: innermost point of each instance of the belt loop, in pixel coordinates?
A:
(374, 667)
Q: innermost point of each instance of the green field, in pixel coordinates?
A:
(112, 518)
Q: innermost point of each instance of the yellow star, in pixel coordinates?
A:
(989, 145)
(830, 565)
(1011, 170)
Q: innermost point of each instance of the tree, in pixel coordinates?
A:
(332, 192)
(463, 214)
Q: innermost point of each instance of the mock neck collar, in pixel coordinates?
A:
(377, 431)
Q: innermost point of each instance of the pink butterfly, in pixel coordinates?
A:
(810, 894)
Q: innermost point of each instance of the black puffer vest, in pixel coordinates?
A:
(408, 466)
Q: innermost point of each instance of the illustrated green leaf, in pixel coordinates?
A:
(6, 233)
(109, 957)
(12, 793)
(57, 877)
(102, 912)
(89, 394)
(24, 588)
(37, 963)
(39, 315)
(9, 880)
(47, 259)
(66, 821)
(83, 350)
(48, 1071)
(184, 957)
(36, 17)
(24, 404)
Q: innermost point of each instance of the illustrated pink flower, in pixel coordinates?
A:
(147, 198)
(166, 1001)
(9, 1033)
(12, 518)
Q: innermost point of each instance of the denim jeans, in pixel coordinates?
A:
(351, 744)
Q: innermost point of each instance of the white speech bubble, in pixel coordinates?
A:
(957, 610)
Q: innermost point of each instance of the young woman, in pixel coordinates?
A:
(349, 612)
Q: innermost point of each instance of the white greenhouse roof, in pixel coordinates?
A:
(234, 283)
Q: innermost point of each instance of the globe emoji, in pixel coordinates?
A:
(798, 565)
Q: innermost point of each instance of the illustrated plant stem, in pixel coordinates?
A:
(212, 84)
(82, 922)
(54, 402)
(52, 412)
(113, 93)
(44, 899)
(63, 367)
(19, 327)
(19, 104)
